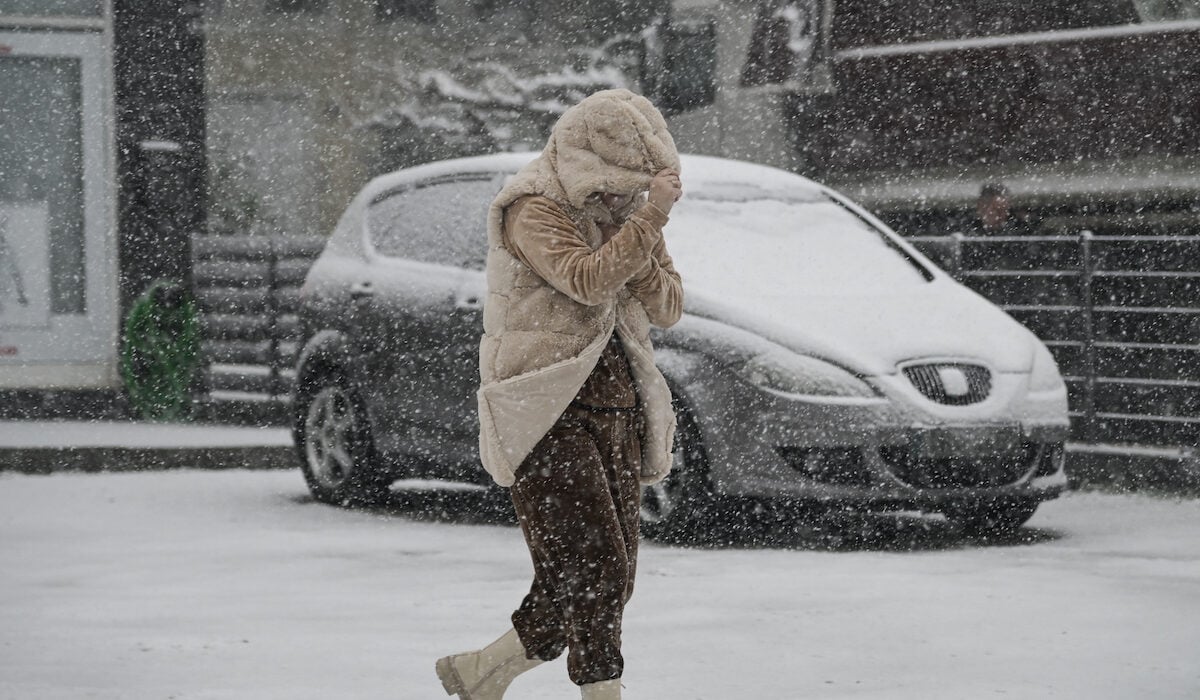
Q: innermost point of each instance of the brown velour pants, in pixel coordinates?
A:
(577, 498)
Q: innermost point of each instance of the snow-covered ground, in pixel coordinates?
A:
(196, 584)
(139, 434)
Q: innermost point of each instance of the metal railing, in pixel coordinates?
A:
(248, 288)
(1121, 314)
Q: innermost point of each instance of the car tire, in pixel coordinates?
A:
(679, 507)
(333, 437)
(992, 518)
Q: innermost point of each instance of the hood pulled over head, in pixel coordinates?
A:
(612, 141)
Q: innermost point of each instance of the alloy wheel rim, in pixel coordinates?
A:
(328, 432)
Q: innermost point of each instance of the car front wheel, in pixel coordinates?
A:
(676, 507)
(337, 456)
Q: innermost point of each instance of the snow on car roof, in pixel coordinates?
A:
(708, 173)
(784, 258)
(700, 174)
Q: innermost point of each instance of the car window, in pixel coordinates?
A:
(442, 222)
(755, 246)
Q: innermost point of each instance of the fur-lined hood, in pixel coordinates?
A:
(612, 141)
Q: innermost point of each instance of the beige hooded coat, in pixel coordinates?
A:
(544, 335)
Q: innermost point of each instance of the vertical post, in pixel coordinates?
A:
(821, 74)
(956, 255)
(273, 316)
(1087, 269)
(202, 390)
(825, 45)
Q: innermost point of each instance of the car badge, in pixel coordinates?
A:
(954, 381)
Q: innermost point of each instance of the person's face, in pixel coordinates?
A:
(992, 211)
(615, 202)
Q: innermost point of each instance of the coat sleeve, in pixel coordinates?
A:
(543, 237)
(659, 288)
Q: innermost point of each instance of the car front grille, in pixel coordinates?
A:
(975, 471)
(841, 466)
(951, 383)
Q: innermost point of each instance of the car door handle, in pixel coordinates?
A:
(362, 290)
(471, 303)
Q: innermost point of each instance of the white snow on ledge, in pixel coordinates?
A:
(81, 434)
(1132, 450)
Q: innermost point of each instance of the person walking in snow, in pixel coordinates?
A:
(574, 415)
(994, 215)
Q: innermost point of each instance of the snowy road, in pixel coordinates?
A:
(191, 584)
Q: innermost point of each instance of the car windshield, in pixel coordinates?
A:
(744, 244)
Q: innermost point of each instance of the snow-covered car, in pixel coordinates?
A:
(820, 359)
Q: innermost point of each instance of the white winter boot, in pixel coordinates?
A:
(485, 674)
(604, 690)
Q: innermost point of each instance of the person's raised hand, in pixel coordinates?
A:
(665, 189)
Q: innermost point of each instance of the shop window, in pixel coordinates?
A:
(42, 191)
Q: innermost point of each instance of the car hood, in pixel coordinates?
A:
(873, 333)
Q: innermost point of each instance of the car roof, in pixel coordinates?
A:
(700, 174)
(697, 170)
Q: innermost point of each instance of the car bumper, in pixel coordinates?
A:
(882, 453)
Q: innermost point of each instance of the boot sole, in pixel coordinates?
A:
(448, 675)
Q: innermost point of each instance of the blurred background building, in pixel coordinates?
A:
(309, 98)
(1087, 112)
(102, 177)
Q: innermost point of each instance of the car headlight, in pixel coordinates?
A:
(797, 376)
(1044, 375)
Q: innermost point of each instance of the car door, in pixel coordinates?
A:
(466, 321)
(420, 331)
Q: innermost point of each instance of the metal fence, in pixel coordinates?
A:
(1120, 313)
(247, 288)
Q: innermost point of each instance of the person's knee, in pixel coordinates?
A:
(614, 579)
